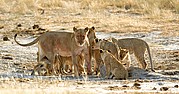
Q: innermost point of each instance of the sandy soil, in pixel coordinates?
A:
(17, 62)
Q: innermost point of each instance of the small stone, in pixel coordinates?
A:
(177, 59)
(136, 84)
(160, 83)
(35, 26)
(1, 27)
(7, 57)
(154, 88)
(19, 25)
(164, 88)
(139, 80)
(176, 86)
(125, 86)
(137, 87)
(5, 39)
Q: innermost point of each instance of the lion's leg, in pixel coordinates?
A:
(128, 61)
(117, 73)
(120, 74)
(66, 66)
(98, 61)
(87, 56)
(95, 68)
(58, 65)
(75, 65)
(37, 56)
(140, 59)
(55, 64)
(69, 65)
(102, 70)
(49, 68)
(108, 70)
(80, 64)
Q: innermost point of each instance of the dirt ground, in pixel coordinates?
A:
(17, 62)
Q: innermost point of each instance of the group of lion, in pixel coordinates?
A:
(72, 53)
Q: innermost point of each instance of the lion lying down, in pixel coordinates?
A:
(62, 66)
(64, 44)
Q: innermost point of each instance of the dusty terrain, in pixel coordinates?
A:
(161, 33)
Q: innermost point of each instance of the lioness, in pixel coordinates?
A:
(136, 46)
(113, 65)
(63, 44)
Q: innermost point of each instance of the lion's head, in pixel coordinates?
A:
(92, 36)
(104, 53)
(80, 35)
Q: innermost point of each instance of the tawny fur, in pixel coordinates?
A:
(64, 44)
(113, 65)
(136, 46)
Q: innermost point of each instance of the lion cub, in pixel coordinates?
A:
(113, 66)
(62, 65)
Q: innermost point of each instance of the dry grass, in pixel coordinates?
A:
(105, 15)
(152, 7)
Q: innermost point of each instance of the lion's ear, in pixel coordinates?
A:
(114, 40)
(96, 40)
(109, 51)
(93, 28)
(74, 29)
(86, 29)
(101, 51)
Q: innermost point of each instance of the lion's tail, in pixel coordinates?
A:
(28, 44)
(151, 63)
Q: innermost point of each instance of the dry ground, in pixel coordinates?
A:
(160, 31)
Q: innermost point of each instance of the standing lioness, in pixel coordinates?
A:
(136, 46)
(63, 44)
